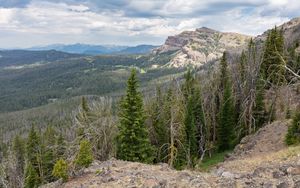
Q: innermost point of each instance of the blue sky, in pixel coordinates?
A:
(25, 23)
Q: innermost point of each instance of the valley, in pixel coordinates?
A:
(205, 109)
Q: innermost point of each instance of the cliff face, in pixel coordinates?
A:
(200, 46)
(204, 45)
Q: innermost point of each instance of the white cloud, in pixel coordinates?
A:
(135, 21)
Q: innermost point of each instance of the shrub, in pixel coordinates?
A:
(60, 170)
(293, 135)
(85, 155)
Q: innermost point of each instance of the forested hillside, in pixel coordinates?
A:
(191, 120)
(30, 82)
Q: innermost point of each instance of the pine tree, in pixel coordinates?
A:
(259, 112)
(161, 112)
(47, 157)
(19, 152)
(133, 142)
(31, 177)
(85, 155)
(273, 67)
(33, 149)
(293, 135)
(227, 112)
(60, 170)
(190, 131)
(188, 86)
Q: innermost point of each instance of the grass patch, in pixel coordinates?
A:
(209, 162)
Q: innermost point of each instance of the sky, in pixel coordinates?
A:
(26, 23)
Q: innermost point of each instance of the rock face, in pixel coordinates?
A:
(204, 45)
(201, 46)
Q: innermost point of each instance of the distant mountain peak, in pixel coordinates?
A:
(89, 49)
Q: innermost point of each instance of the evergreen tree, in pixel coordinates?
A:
(188, 86)
(133, 142)
(60, 170)
(224, 77)
(31, 177)
(85, 155)
(33, 149)
(272, 67)
(259, 112)
(19, 152)
(293, 135)
(190, 131)
(227, 112)
(47, 157)
(161, 112)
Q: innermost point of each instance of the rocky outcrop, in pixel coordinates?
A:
(201, 46)
(204, 45)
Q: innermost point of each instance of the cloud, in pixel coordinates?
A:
(130, 22)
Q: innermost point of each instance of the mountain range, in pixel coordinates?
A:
(95, 49)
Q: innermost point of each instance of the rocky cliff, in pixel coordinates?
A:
(200, 46)
(204, 45)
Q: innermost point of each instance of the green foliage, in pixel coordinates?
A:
(99, 75)
(160, 114)
(33, 148)
(48, 147)
(85, 155)
(209, 162)
(272, 67)
(293, 135)
(259, 112)
(31, 177)
(190, 133)
(40, 153)
(60, 170)
(133, 142)
(227, 118)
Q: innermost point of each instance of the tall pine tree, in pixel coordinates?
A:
(273, 66)
(133, 142)
(259, 112)
(33, 149)
(227, 111)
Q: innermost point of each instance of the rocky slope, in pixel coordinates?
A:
(201, 46)
(261, 160)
